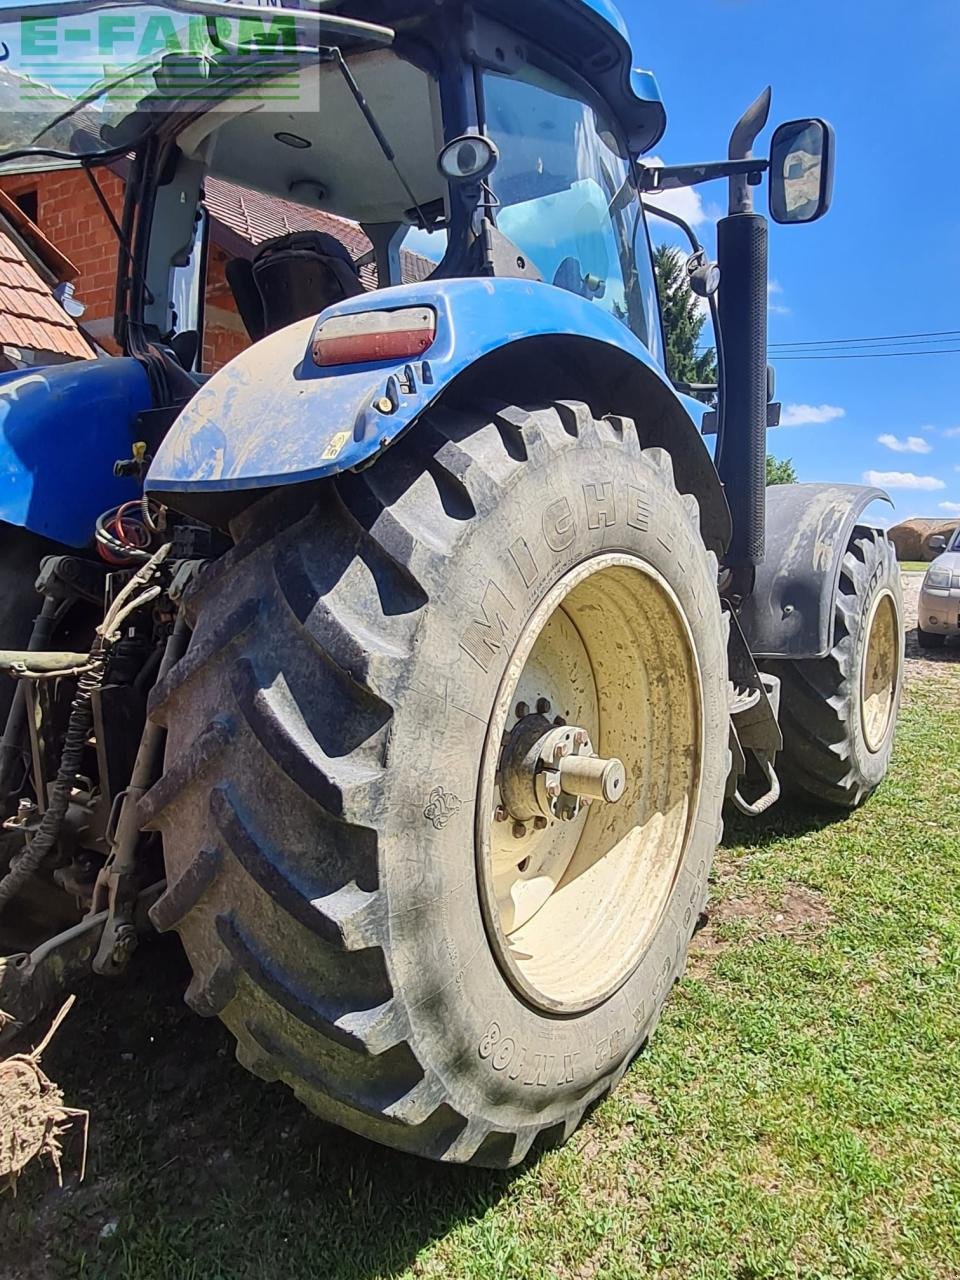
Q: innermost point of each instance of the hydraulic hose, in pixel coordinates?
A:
(78, 729)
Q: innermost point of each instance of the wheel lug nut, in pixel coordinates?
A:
(581, 738)
(540, 824)
(522, 710)
(543, 706)
(519, 830)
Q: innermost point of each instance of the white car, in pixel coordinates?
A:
(939, 609)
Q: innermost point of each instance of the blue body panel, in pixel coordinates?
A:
(61, 430)
(272, 416)
(642, 83)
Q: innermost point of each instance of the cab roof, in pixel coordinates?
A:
(592, 37)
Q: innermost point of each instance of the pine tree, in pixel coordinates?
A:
(683, 320)
(780, 470)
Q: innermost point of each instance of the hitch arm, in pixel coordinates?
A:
(116, 888)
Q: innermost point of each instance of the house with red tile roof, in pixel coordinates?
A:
(35, 328)
(64, 207)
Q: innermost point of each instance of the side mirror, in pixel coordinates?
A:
(801, 171)
(937, 543)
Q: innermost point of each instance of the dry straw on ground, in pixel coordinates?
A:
(33, 1118)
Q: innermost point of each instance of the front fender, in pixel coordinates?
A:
(272, 417)
(791, 611)
(62, 427)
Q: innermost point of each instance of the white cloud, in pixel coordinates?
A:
(951, 508)
(776, 308)
(951, 433)
(686, 202)
(912, 444)
(809, 415)
(902, 480)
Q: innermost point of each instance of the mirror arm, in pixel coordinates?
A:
(671, 177)
(669, 216)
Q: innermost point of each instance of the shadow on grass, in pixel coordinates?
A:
(206, 1171)
(792, 816)
(947, 651)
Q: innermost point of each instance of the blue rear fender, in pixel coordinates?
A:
(273, 417)
(62, 428)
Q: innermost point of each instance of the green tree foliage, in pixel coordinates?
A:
(780, 470)
(683, 324)
(683, 320)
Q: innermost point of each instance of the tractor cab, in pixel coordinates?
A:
(446, 130)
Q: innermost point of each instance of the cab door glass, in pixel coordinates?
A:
(564, 197)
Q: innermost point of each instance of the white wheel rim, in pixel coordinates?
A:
(880, 674)
(571, 909)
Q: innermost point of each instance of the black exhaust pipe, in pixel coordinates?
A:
(742, 255)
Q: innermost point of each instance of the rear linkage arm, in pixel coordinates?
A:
(107, 935)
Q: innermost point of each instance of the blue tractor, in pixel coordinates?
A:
(405, 665)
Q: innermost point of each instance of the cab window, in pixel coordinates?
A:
(563, 196)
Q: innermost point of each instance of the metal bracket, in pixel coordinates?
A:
(30, 983)
(503, 258)
(754, 722)
(767, 800)
(117, 883)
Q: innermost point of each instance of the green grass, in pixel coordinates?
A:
(914, 566)
(797, 1115)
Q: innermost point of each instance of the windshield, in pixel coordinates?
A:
(563, 195)
(87, 80)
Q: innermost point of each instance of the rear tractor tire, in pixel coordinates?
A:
(403, 688)
(839, 713)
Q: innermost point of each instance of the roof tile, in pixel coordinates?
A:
(257, 218)
(29, 315)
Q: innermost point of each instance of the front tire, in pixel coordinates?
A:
(336, 868)
(839, 713)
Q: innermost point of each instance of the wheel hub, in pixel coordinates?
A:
(552, 772)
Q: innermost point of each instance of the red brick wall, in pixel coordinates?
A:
(223, 333)
(68, 214)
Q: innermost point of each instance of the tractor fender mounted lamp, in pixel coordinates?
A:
(370, 337)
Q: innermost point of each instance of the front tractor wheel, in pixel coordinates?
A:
(445, 766)
(839, 713)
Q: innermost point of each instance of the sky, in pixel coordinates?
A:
(886, 258)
